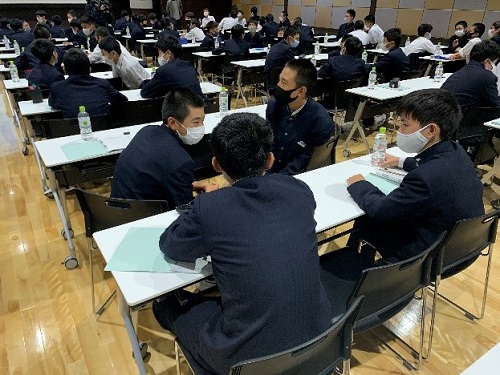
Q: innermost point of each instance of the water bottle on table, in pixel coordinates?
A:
(438, 74)
(84, 124)
(439, 51)
(14, 75)
(364, 55)
(313, 60)
(326, 37)
(17, 50)
(408, 41)
(372, 78)
(128, 31)
(223, 102)
(316, 48)
(379, 147)
(216, 42)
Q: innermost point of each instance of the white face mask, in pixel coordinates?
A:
(41, 20)
(87, 32)
(252, 29)
(70, 19)
(162, 61)
(428, 36)
(413, 142)
(280, 18)
(491, 33)
(193, 136)
(107, 60)
(459, 33)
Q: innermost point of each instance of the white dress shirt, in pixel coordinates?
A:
(195, 33)
(465, 52)
(361, 35)
(130, 70)
(96, 57)
(206, 20)
(420, 45)
(376, 35)
(243, 22)
(227, 23)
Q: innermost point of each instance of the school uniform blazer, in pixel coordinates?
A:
(270, 28)
(24, 38)
(393, 64)
(279, 55)
(233, 47)
(121, 24)
(94, 93)
(168, 32)
(344, 29)
(473, 86)
(342, 68)
(441, 188)
(55, 31)
(173, 75)
(208, 42)
(44, 75)
(255, 41)
(265, 263)
(26, 60)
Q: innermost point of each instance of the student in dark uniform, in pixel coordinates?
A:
(270, 28)
(284, 21)
(212, 32)
(121, 23)
(254, 38)
(299, 122)
(168, 30)
(395, 61)
(348, 26)
(4, 27)
(460, 38)
(88, 32)
(80, 88)
(57, 31)
(45, 73)
(283, 51)
(235, 46)
(24, 38)
(172, 74)
(271, 296)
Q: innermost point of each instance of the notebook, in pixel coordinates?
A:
(115, 143)
(386, 180)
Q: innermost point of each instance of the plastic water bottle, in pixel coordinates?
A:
(14, 75)
(128, 31)
(316, 48)
(364, 55)
(438, 74)
(313, 60)
(223, 102)
(153, 71)
(372, 78)
(439, 51)
(88, 42)
(17, 50)
(408, 41)
(216, 42)
(379, 147)
(84, 124)
(326, 37)
(268, 47)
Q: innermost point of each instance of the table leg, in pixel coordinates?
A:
(71, 261)
(132, 335)
(14, 112)
(143, 55)
(495, 170)
(357, 126)
(428, 70)
(41, 167)
(199, 68)
(240, 88)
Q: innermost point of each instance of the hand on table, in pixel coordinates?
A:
(353, 179)
(390, 161)
(201, 187)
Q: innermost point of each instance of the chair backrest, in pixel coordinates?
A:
(341, 97)
(318, 356)
(472, 124)
(408, 74)
(462, 245)
(101, 212)
(55, 128)
(324, 155)
(388, 288)
(139, 111)
(322, 86)
(272, 78)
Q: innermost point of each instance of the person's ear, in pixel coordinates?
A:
(302, 91)
(172, 124)
(269, 161)
(433, 129)
(216, 165)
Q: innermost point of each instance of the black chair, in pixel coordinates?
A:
(319, 356)
(409, 74)
(139, 111)
(272, 79)
(388, 288)
(337, 101)
(462, 247)
(101, 213)
(55, 128)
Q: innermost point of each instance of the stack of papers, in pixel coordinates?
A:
(115, 143)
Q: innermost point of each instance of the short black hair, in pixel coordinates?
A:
(123, 13)
(169, 43)
(152, 16)
(109, 44)
(4, 22)
(237, 31)
(423, 29)
(241, 143)
(249, 22)
(297, 21)
(393, 35)
(75, 23)
(436, 106)
(41, 32)
(495, 25)
(43, 50)
(305, 72)
(485, 50)
(102, 32)
(269, 17)
(291, 31)
(178, 104)
(353, 46)
(86, 19)
(233, 13)
(254, 10)
(285, 13)
(347, 36)
(196, 22)
(351, 12)
(479, 28)
(76, 62)
(16, 24)
(370, 18)
(56, 20)
(359, 25)
(72, 12)
(212, 25)
(462, 23)
(141, 18)
(40, 13)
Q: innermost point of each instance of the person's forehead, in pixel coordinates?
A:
(288, 74)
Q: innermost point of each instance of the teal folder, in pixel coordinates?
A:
(385, 185)
(83, 149)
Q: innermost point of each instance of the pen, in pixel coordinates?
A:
(126, 133)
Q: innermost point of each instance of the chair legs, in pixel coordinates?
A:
(467, 313)
(100, 309)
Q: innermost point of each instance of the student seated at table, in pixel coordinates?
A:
(493, 32)
(475, 85)
(124, 65)
(348, 26)
(359, 32)
(57, 31)
(476, 33)
(41, 19)
(156, 24)
(270, 27)
(227, 23)
(195, 33)
(27, 61)
(441, 186)
(121, 23)
(240, 20)
(155, 165)
(45, 73)
(172, 74)
(4, 27)
(423, 43)
(271, 295)
(24, 38)
(75, 35)
(96, 56)
(212, 32)
(169, 30)
(284, 20)
(283, 51)
(206, 18)
(88, 33)
(395, 61)
(254, 38)
(460, 38)
(306, 33)
(299, 123)
(80, 88)
(235, 46)
(375, 32)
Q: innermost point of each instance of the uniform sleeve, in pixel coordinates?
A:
(115, 96)
(22, 62)
(490, 92)
(408, 200)
(153, 88)
(325, 70)
(183, 239)
(179, 183)
(137, 74)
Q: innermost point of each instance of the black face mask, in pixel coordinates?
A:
(283, 96)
